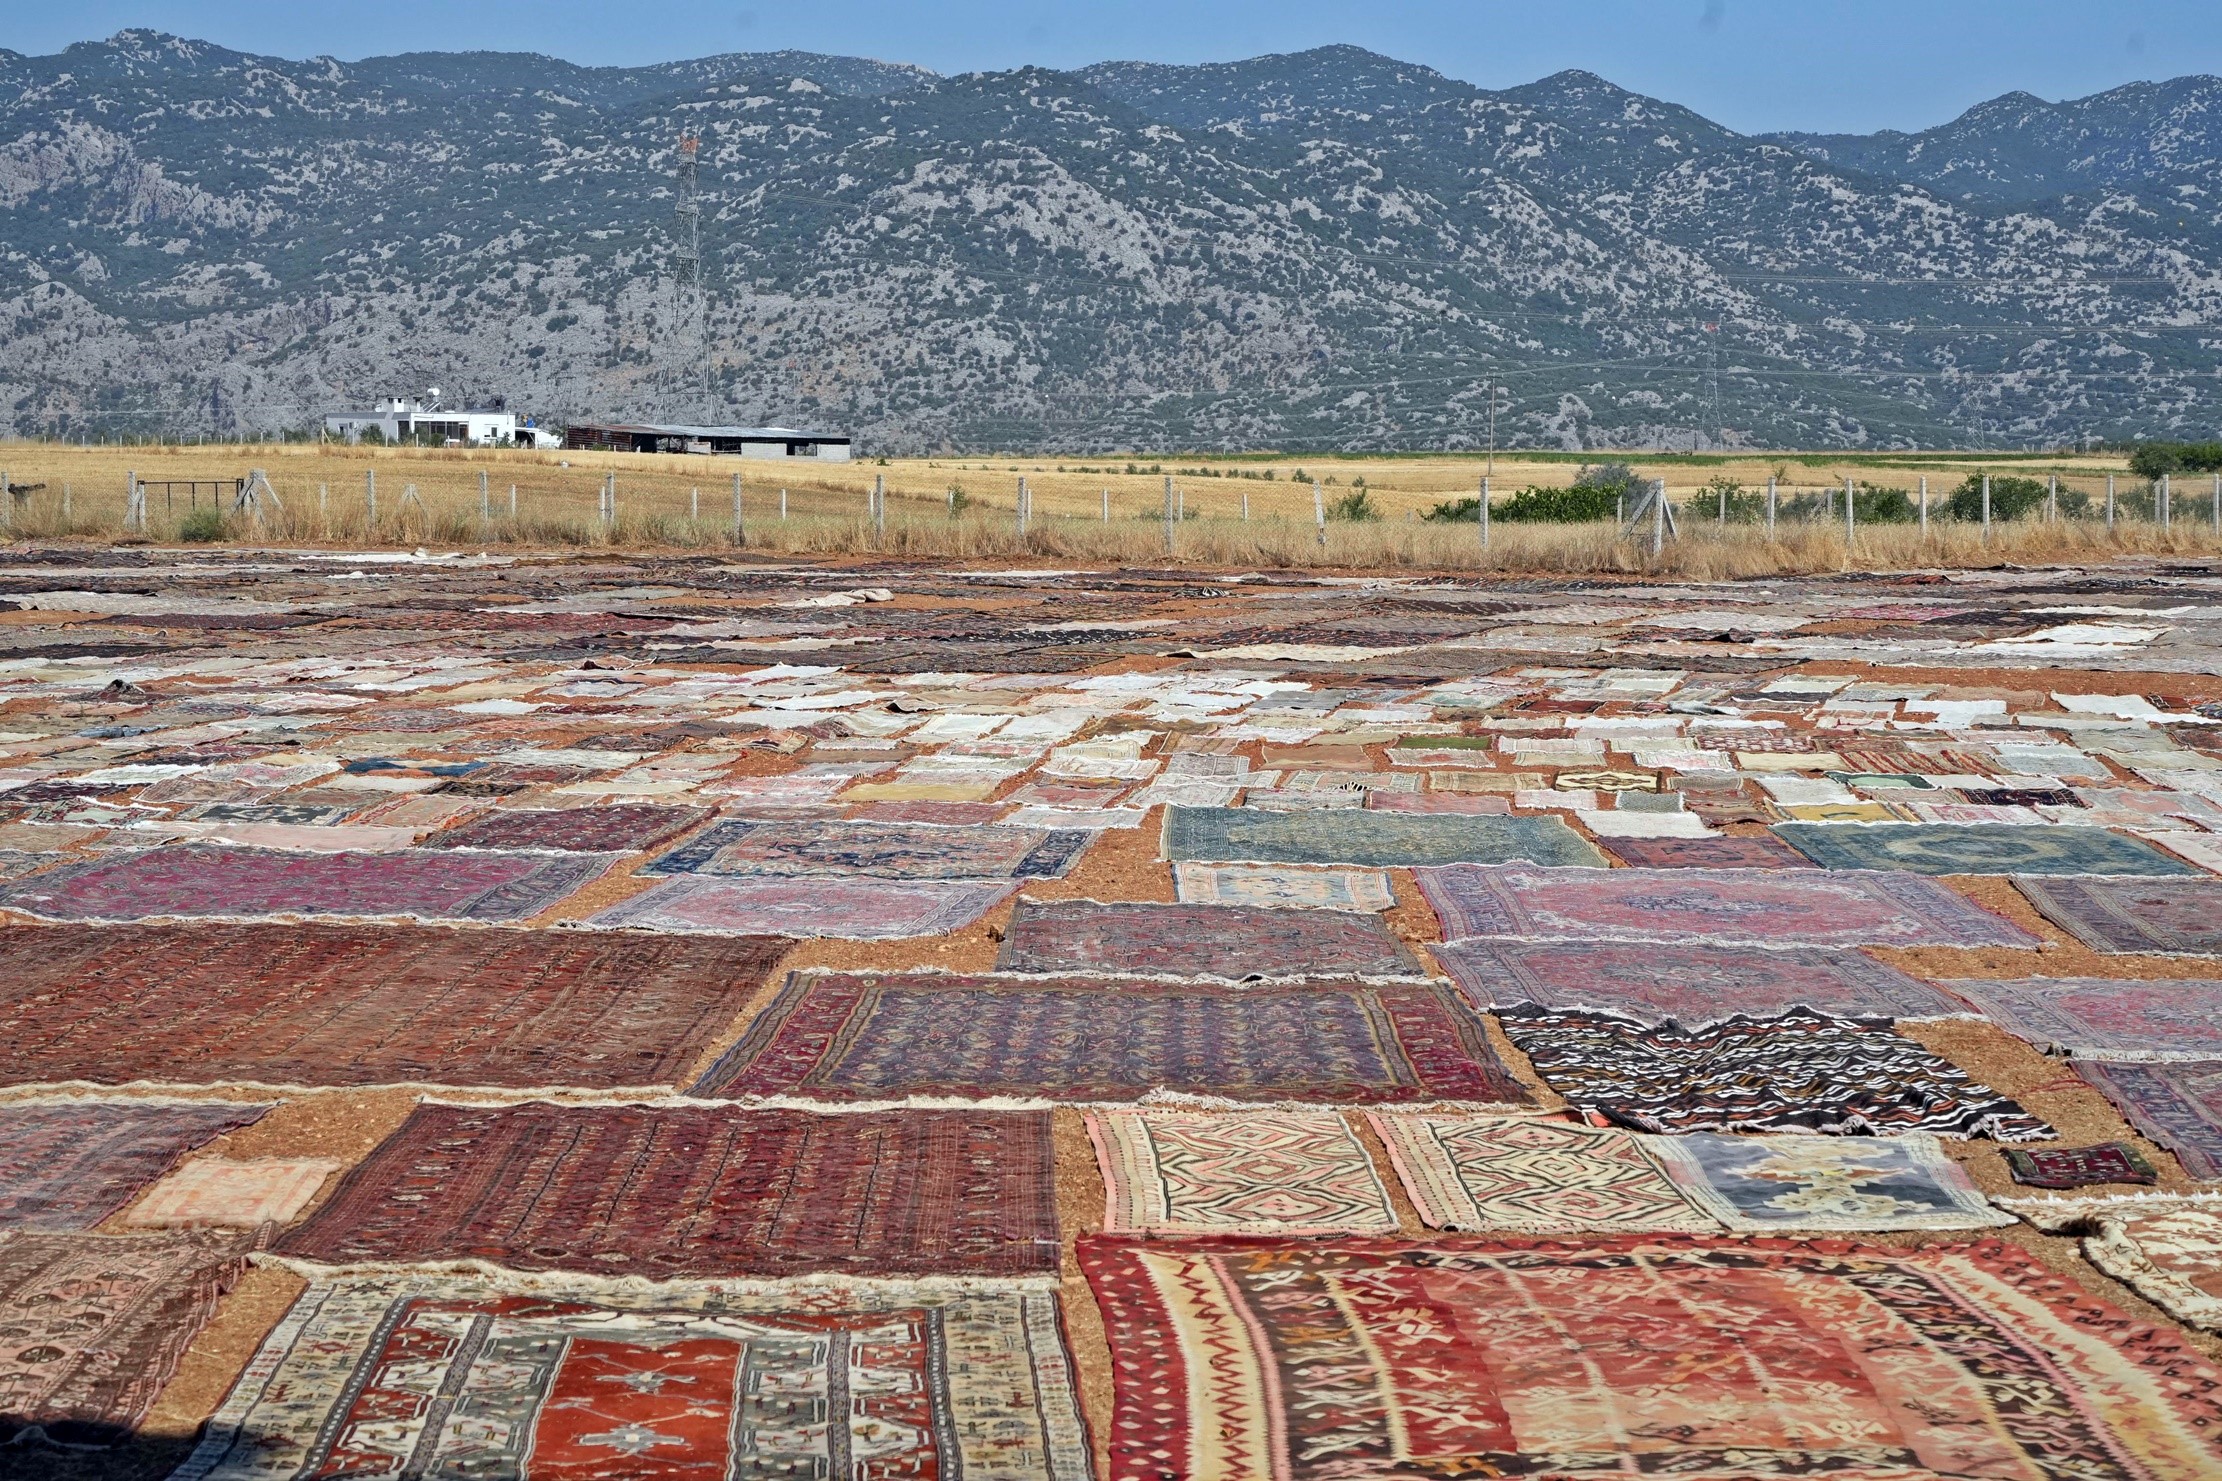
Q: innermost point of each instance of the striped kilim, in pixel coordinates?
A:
(1284, 1172)
(1524, 1175)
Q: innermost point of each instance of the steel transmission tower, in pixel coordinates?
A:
(693, 372)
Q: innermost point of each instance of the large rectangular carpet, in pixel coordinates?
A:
(1249, 1172)
(809, 846)
(2163, 917)
(70, 1164)
(875, 1036)
(858, 909)
(2177, 1105)
(446, 1377)
(216, 880)
(623, 827)
(1736, 907)
(1979, 848)
(1692, 984)
(366, 1005)
(96, 1324)
(2106, 1018)
(1797, 1071)
(1377, 840)
(678, 1191)
(1200, 941)
(1634, 1356)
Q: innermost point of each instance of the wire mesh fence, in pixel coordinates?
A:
(1725, 518)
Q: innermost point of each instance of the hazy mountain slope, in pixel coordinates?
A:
(1321, 249)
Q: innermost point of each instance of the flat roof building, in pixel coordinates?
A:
(669, 437)
(398, 419)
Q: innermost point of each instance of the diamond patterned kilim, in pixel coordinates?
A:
(1286, 1172)
(1520, 1174)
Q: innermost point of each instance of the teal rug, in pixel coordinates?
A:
(1379, 840)
(1978, 848)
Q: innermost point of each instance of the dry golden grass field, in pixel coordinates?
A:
(1247, 510)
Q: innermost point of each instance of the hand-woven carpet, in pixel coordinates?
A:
(1721, 851)
(212, 1192)
(96, 1323)
(859, 909)
(1279, 887)
(669, 1192)
(1200, 941)
(2106, 1018)
(2079, 1167)
(2158, 916)
(1255, 1172)
(1735, 907)
(1528, 1175)
(1979, 848)
(1797, 1071)
(70, 1164)
(1635, 1356)
(889, 1036)
(804, 846)
(1652, 982)
(215, 880)
(422, 1376)
(1375, 840)
(2177, 1105)
(1816, 1184)
(365, 1005)
(2166, 1248)
(620, 828)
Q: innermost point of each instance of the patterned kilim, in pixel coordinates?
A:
(1374, 840)
(71, 1164)
(1200, 941)
(420, 1376)
(212, 1192)
(1280, 887)
(96, 1324)
(365, 1005)
(752, 846)
(1741, 1360)
(677, 1191)
(2160, 916)
(2176, 1105)
(886, 1037)
(1777, 1184)
(621, 828)
(860, 909)
(1980, 848)
(1691, 984)
(215, 880)
(1740, 907)
(1259, 1172)
(2106, 1018)
(1798, 1071)
(1760, 851)
(2167, 1249)
(1525, 1175)
(2079, 1167)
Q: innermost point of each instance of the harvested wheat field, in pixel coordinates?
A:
(533, 1010)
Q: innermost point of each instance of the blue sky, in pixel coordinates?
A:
(1806, 64)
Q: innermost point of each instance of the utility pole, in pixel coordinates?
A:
(686, 262)
(1492, 470)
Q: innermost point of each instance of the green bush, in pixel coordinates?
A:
(1880, 506)
(2152, 459)
(1575, 505)
(2011, 498)
(202, 524)
(1357, 505)
(1451, 511)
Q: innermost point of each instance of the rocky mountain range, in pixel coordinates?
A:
(1328, 249)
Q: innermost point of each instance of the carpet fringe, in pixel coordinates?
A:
(508, 1278)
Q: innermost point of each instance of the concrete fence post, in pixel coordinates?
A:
(1924, 506)
(1319, 511)
(740, 531)
(485, 499)
(1107, 506)
(1986, 508)
(1770, 506)
(2110, 503)
(370, 492)
(1851, 524)
(1169, 515)
(2167, 502)
(1483, 511)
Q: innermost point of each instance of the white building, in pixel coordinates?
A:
(671, 437)
(399, 419)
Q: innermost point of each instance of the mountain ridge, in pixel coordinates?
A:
(1322, 248)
